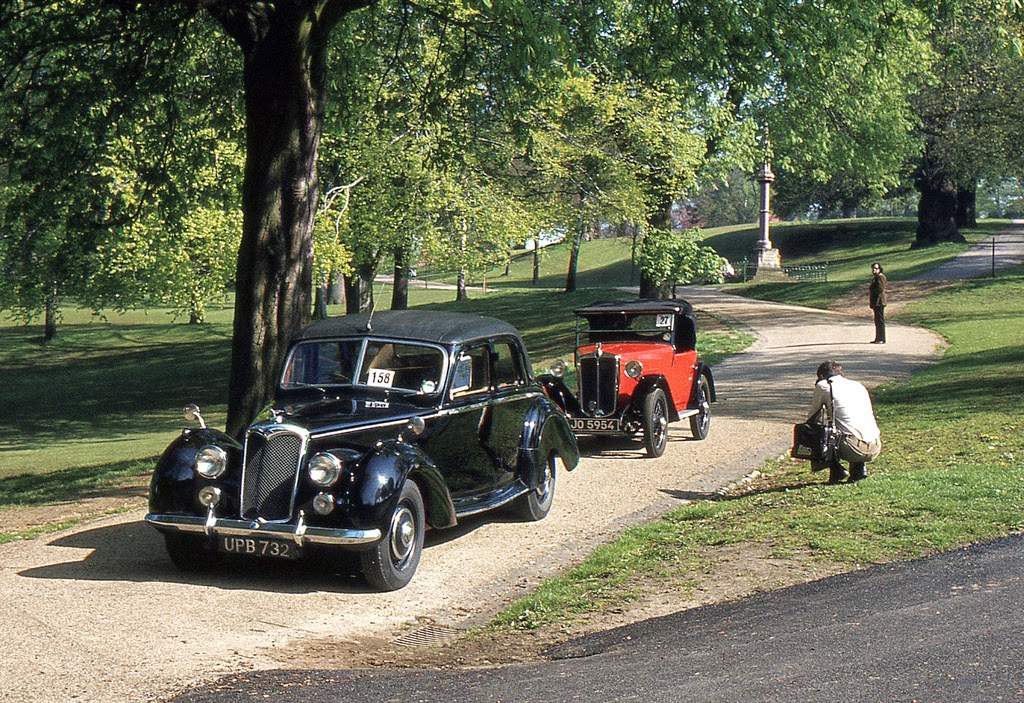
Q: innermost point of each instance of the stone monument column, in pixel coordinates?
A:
(763, 255)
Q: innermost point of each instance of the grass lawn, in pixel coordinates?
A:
(951, 473)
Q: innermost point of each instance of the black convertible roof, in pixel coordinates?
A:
(636, 307)
(418, 325)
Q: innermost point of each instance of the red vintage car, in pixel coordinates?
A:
(637, 371)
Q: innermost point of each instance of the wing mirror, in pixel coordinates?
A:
(414, 428)
(192, 414)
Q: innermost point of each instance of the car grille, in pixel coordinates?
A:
(599, 384)
(272, 459)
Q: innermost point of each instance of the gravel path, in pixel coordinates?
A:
(99, 613)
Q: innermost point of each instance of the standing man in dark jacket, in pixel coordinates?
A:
(878, 302)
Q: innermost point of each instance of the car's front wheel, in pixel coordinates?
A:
(189, 554)
(390, 565)
(700, 423)
(535, 504)
(655, 422)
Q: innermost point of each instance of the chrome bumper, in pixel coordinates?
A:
(300, 533)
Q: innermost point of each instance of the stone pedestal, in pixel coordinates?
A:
(766, 258)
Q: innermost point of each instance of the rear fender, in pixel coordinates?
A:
(547, 434)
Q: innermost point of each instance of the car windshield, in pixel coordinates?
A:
(626, 328)
(367, 362)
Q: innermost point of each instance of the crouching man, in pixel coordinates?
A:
(848, 403)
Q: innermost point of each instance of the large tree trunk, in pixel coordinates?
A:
(50, 318)
(320, 302)
(284, 46)
(335, 289)
(936, 210)
(359, 289)
(352, 294)
(967, 206)
(574, 257)
(400, 292)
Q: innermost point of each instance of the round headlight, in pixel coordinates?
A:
(211, 461)
(324, 469)
(558, 369)
(634, 369)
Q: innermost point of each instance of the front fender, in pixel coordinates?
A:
(644, 386)
(379, 480)
(174, 483)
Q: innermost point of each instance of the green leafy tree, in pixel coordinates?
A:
(66, 77)
(670, 259)
(970, 116)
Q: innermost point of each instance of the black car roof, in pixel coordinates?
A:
(418, 325)
(636, 307)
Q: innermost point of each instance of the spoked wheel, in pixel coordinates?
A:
(655, 422)
(390, 565)
(535, 504)
(701, 422)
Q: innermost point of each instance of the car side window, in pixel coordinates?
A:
(686, 334)
(472, 372)
(508, 367)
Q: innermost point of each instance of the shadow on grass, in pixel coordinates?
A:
(984, 380)
(107, 381)
(82, 483)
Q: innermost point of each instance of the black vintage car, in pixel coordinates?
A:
(637, 371)
(381, 426)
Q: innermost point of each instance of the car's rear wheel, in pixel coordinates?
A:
(391, 563)
(189, 554)
(700, 423)
(536, 503)
(655, 422)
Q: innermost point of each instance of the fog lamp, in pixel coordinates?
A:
(209, 496)
(634, 369)
(324, 469)
(211, 461)
(323, 503)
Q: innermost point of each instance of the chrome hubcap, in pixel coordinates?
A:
(403, 534)
(544, 489)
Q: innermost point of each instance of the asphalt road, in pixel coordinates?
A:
(948, 628)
